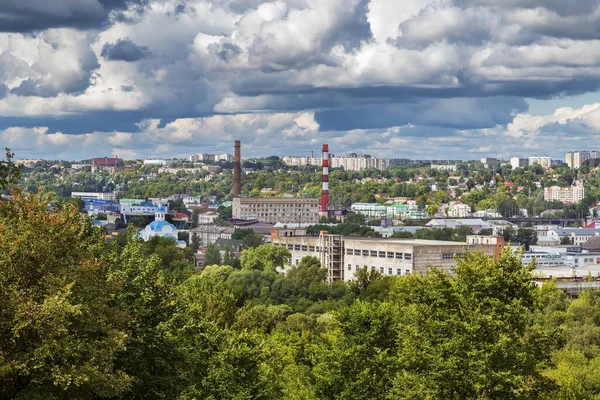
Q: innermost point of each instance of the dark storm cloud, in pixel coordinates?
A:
(455, 113)
(562, 7)
(32, 15)
(124, 50)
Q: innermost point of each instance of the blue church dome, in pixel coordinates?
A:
(158, 226)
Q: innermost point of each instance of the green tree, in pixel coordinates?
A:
(252, 240)
(265, 257)
(9, 172)
(465, 337)
(213, 255)
(59, 332)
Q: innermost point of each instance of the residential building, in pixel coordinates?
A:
(344, 255)
(27, 163)
(207, 218)
(544, 161)
(350, 162)
(94, 195)
(488, 161)
(576, 236)
(573, 194)
(516, 162)
(444, 167)
(106, 163)
(456, 209)
(574, 159)
(155, 162)
(209, 234)
(277, 209)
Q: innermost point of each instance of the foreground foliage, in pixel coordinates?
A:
(80, 321)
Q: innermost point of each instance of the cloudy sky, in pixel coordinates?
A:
(407, 79)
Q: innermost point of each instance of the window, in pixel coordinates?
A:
(398, 271)
(356, 252)
(349, 267)
(408, 272)
(389, 271)
(382, 254)
(399, 256)
(304, 248)
(373, 253)
(290, 247)
(390, 254)
(311, 248)
(447, 256)
(381, 270)
(297, 262)
(407, 256)
(297, 247)
(365, 253)
(349, 252)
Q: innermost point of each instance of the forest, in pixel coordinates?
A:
(81, 320)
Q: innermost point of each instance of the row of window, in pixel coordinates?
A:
(450, 256)
(380, 254)
(390, 271)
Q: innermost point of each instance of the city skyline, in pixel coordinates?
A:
(417, 79)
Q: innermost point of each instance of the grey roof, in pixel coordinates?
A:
(576, 231)
(592, 244)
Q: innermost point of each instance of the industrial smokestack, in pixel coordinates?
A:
(237, 170)
(325, 176)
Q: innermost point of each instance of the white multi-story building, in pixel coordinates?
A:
(573, 194)
(456, 209)
(155, 162)
(94, 195)
(444, 167)
(344, 255)
(544, 161)
(277, 209)
(517, 162)
(350, 162)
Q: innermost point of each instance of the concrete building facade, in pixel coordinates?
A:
(573, 194)
(278, 209)
(544, 161)
(344, 255)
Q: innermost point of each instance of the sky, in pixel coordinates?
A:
(420, 79)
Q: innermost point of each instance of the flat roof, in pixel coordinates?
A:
(414, 242)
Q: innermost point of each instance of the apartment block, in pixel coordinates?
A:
(278, 209)
(573, 194)
(544, 161)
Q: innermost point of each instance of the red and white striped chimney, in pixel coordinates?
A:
(325, 188)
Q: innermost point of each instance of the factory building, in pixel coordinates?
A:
(280, 209)
(344, 255)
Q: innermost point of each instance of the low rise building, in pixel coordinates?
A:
(344, 255)
(106, 163)
(575, 236)
(94, 195)
(209, 234)
(456, 209)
